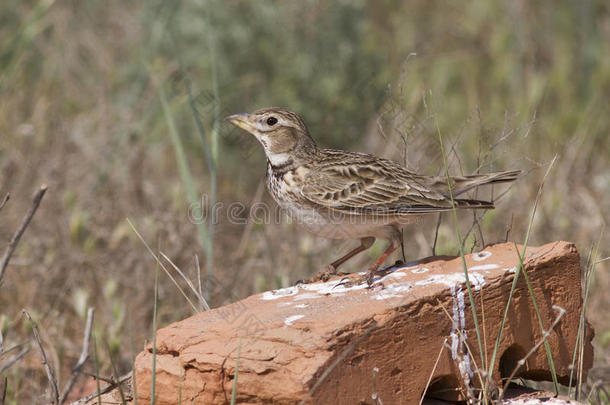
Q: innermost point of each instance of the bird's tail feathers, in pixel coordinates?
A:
(473, 204)
(462, 184)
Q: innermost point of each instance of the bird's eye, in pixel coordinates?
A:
(271, 121)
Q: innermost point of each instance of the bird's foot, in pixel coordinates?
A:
(324, 275)
(368, 277)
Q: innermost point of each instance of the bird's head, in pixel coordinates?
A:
(282, 133)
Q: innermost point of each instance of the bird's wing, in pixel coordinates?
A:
(363, 184)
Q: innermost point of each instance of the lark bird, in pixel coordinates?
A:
(347, 195)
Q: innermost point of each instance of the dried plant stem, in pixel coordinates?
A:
(520, 268)
(106, 389)
(440, 352)
(154, 334)
(115, 375)
(4, 200)
(545, 336)
(13, 360)
(195, 310)
(334, 364)
(84, 355)
(234, 389)
(3, 391)
(457, 232)
(438, 225)
(203, 305)
(49, 370)
(24, 224)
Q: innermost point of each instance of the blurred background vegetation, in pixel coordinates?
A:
(118, 107)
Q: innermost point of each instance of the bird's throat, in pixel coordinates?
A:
(279, 160)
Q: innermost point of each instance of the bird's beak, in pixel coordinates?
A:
(240, 121)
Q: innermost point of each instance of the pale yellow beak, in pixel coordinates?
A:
(240, 121)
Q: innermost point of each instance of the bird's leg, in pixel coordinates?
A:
(402, 245)
(365, 243)
(373, 269)
(331, 269)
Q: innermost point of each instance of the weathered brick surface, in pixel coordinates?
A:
(322, 343)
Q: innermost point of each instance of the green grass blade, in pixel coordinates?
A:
(580, 337)
(195, 310)
(519, 269)
(457, 230)
(96, 366)
(234, 389)
(211, 159)
(547, 346)
(154, 336)
(187, 178)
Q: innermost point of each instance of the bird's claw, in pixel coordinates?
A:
(325, 275)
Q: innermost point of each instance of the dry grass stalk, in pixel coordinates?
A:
(84, 355)
(13, 360)
(112, 385)
(440, 352)
(545, 336)
(334, 364)
(45, 362)
(4, 200)
(12, 245)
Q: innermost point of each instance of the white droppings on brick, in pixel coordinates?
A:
(396, 274)
(480, 256)
(290, 320)
(332, 287)
(392, 291)
(281, 293)
(536, 401)
(484, 267)
(307, 296)
(420, 270)
(450, 280)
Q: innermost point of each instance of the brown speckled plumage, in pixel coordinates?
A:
(342, 195)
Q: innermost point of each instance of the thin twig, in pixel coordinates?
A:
(510, 227)
(438, 225)
(3, 391)
(440, 352)
(24, 224)
(84, 355)
(545, 336)
(602, 260)
(334, 364)
(200, 290)
(202, 301)
(4, 200)
(104, 390)
(519, 269)
(115, 374)
(50, 375)
(195, 310)
(245, 236)
(108, 380)
(10, 349)
(13, 360)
